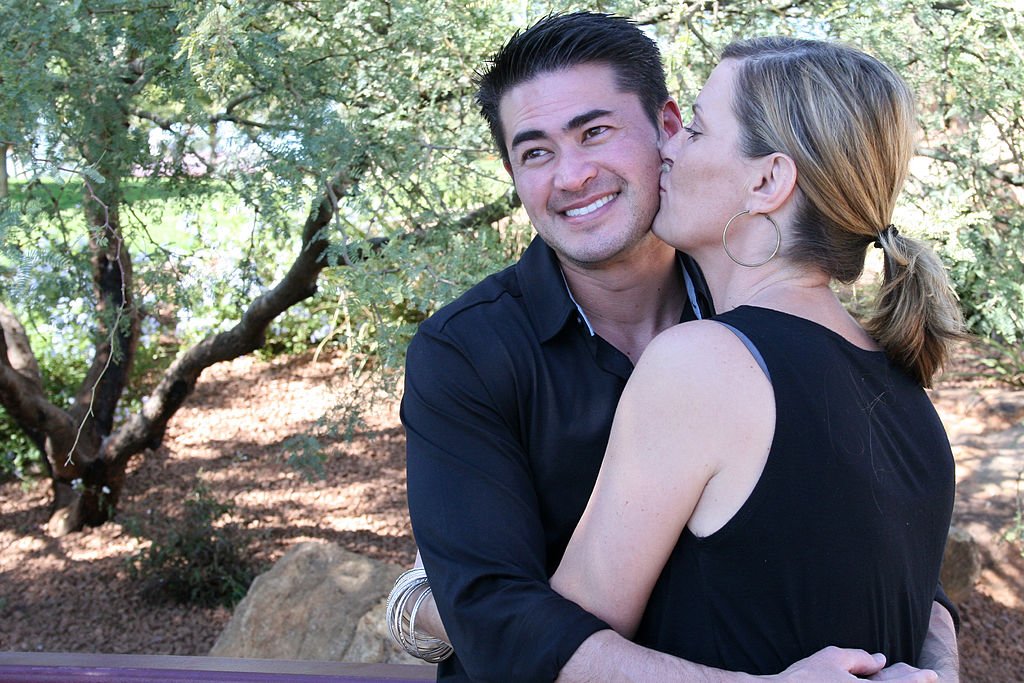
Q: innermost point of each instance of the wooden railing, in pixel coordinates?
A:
(49, 667)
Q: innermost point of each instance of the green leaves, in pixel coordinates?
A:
(154, 102)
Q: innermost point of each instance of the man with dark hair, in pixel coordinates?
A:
(562, 41)
(511, 389)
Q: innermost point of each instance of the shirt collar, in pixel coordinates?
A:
(547, 297)
(551, 304)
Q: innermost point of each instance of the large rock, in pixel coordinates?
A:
(318, 602)
(961, 564)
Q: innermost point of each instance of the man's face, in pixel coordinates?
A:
(585, 161)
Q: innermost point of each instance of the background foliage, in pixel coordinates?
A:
(233, 117)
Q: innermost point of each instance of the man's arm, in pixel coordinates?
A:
(607, 656)
(940, 649)
(476, 519)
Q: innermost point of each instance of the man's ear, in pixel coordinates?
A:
(773, 184)
(671, 119)
(508, 169)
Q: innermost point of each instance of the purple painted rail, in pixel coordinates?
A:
(50, 667)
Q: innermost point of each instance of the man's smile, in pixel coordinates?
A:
(591, 207)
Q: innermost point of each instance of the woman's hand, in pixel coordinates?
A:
(844, 664)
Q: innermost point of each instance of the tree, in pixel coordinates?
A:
(348, 127)
(354, 105)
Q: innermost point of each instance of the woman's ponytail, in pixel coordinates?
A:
(917, 316)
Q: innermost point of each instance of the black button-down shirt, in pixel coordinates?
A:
(509, 400)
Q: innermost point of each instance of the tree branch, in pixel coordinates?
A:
(992, 170)
(238, 100)
(653, 15)
(146, 428)
(15, 349)
(249, 122)
(21, 390)
(488, 213)
(160, 121)
(147, 71)
(126, 10)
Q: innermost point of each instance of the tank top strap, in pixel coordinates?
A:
(750, 347)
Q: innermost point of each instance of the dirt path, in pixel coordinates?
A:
(986, 428)
(75, 594)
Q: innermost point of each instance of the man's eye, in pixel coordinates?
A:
(534, 153)
(594, 132)
(691, 132)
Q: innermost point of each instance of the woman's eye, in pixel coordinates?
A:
(691, 132)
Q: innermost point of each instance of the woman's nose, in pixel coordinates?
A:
(669, 147)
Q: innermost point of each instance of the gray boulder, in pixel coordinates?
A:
(318, 602)
(961, 564)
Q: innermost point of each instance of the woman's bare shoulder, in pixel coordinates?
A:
(698, 347)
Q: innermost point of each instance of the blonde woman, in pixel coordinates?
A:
(795, 490)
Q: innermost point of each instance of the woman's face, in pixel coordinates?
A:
(707, 177)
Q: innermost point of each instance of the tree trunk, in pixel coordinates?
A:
(211, 158)
(85, 490)
(51, 429)
(4, 188)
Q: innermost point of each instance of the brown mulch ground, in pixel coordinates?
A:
(75, 594)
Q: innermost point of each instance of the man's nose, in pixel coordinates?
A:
(574, 171)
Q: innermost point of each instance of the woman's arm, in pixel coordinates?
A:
(690, 438)
(412, 617)
(428, 621)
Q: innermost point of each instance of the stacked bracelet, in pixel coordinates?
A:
(402, 622)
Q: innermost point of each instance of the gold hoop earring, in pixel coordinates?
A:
(725, 244)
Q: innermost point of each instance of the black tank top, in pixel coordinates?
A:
(841, 540)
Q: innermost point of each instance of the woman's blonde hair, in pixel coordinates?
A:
(847, 122)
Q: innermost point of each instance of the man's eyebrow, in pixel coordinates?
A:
(583, 119)
(526, 136)
(575, 122)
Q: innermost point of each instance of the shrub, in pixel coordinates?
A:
(192, 561)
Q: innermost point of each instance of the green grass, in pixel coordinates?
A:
(68, 195)
(160, 211)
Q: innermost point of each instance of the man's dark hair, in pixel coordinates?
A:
(562, 41)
